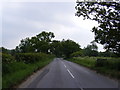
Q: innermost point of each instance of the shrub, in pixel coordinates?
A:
(114, 64)
(77, 54)
(85, 61)
(7, 58)
(108, 63)
(101, 62)
(30, 57)
(14, 73)
(105, 65)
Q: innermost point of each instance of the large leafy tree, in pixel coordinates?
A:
(25, 46)
(45, 36)
(68, 47)
(107, 14)
(56, 48)
(44, 40)
(38, 43)
(90, 50)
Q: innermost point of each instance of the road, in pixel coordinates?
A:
(64, 74)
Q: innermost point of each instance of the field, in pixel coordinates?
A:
(106, 65)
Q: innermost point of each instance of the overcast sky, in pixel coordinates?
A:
(26, 19)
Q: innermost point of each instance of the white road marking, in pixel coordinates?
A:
(81, 88)
(65, 65)
(70, 73)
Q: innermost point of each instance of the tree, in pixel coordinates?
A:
(91, 50)
(43, 43)
(38, 43)
(93, 46)
(45, 36)
(68, 47)
(106, 54)
(25, 46)
(44, 40)
(56, 48)
(107, 14)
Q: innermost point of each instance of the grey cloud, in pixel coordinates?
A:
(30, 18)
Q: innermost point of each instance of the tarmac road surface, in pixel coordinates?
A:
(65, 74)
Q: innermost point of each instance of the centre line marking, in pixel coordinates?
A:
(65, 65)
(81, 88)
(70, 73)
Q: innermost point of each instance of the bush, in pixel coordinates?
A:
(101, 62)
(7, 58)
(30, 57)
(114, 64)
(105, 65)
(108, 63)
(14, 73)
(77, 54)
(85, 61)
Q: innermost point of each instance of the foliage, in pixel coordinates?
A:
(64, 48)
(101, 62)
(4, 50)
(108, 17)
(43, 43)
(77, 54)
(106, 54)
(30, 57)
(85, 61)
(56, 48)
(25, 46)
(38, 43)
(68, 47)
(90, 50)
(7, 58)
(45, 36)
(110, 67)
(93, 46)
(14, 73)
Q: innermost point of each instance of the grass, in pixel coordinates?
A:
(111, 68)
(21, 70)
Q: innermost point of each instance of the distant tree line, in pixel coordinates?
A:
(43, 43)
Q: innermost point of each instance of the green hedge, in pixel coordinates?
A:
(30, 57)
(7, 58)
(106, 65)
(24, 65)
(85, 61)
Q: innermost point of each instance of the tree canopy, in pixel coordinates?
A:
(43, 43)
(65, 48)
(69, 46)
(91, 50)
(107, 14)
(38, 43)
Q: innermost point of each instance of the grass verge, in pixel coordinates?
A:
(111, 68)
(18, 71)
